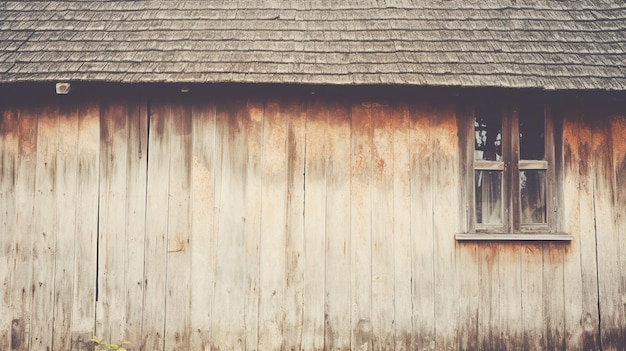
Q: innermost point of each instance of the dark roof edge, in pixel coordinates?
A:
(29, 90)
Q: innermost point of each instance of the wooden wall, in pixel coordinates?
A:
(304, 222)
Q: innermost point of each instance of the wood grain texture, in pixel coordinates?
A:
(315, 226)
(572, 270)
(588, 252)
(228, 318)
(136, 173)
(252, 128)
(9, 141)
(553, 297)
(510, 324)
(23, 244)
(45, 229)
(422, 237)
(202, 236)
(362, 212)
(532, 297)
(112, 249)
(157, 202)
(178, 269)
(468, 281)
(294, 245)
(85, 244)
(618, 148)
(607, 236)
(338, 295)
(489, 297)
(402, 228)
(383, 219)
(446, 183)
(272, 265)
(66, 179)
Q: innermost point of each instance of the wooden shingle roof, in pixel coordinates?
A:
(574, 44)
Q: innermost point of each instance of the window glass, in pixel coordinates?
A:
(488, 134)
(531, 132)
(533, 196)
(488, 192)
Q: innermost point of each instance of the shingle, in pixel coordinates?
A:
(551, 44)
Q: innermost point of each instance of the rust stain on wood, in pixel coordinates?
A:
(9, 123)
(177, 244)
(17, 334)
(618, 144)
(203, 188)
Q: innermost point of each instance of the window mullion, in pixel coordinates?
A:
(511, 121)
(550, 158)
(467, 139)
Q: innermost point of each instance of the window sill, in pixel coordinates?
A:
(513, 237)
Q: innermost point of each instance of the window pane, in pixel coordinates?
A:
(531, 132)
(488, 187)
(533, 196)
(488, 134)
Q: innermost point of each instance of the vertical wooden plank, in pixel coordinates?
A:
(252, 129)
(446, 182)
(228, 318)
(202, 240)
(618, 146)
(588, 253)
(468, 261)
(22, 245)
(553, 294)
(85, 242)
(488, 303)
(177, 299)
(422, 240)
(112, 254)
(532, 297)
(361, 226)
(273, 221)
(402, 229)
(382, 261)
(9, 140)
(7, 174)
(221, 123)
(314, 226)
(45, 229)
(510, 294)
(607, 238)
(66, 178)
(572, 266)
(157, 200)
(469, 277)
(136, 169)
(338, 295)
(294, 284)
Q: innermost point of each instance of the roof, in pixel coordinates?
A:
(574, 44)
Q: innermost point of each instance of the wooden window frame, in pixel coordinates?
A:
(511, 229)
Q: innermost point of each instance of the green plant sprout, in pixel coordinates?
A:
(103, 345)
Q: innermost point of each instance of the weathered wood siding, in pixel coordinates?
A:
(302, 222)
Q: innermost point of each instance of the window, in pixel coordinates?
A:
(509, 170)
